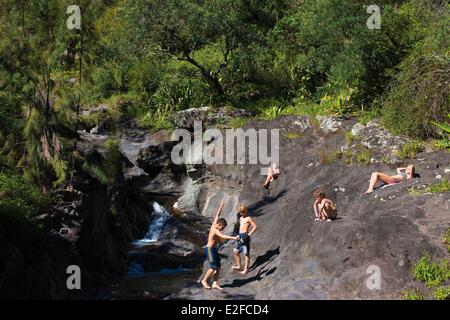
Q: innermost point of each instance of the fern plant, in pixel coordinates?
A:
(444, 126)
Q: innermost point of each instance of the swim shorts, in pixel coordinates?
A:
(212, 254)
(243, 244)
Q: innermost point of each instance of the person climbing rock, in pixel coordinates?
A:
(243, 244)
(272, 174)
(211, 252)
(402, 175)
(324, 208)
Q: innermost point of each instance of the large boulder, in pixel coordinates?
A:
(330, 124)
(383, 145)
(207, 115)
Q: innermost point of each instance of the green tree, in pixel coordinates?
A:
(205, 34)
(329, 51)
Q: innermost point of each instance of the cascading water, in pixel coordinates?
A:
(141, 283)
(156, 225)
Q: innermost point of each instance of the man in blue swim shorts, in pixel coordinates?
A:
(211, 252)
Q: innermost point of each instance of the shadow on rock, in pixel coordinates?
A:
(259, 261)
(256, 208)
(258, 277)
(262, 272)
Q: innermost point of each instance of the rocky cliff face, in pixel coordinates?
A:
(294, 257)
(88, 227)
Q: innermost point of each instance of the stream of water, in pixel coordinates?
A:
(156, 225)
(140, 284)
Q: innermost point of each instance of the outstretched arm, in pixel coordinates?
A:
(219, 211)
(223, 236)
(254, 226)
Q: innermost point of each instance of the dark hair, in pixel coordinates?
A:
(222, 221)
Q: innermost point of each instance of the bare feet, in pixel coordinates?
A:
(329, 220)
(317, 219)
(205, 285)
(367, 192)
(236, 268)
(244, 272)
(215, 285)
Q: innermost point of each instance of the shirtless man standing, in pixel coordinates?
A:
(243, 244)
(212, 254)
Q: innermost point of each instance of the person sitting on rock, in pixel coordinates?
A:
(212, 254)
(324, 208)
(243, 244)
(272, 174)
(403, 174)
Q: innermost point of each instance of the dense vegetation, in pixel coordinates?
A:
(149, 58)
(146, 59)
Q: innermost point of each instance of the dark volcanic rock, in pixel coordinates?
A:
(158, 256)
(294, 257)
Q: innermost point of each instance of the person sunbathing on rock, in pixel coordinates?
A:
(403, 174)
(211, 252)
(272, 174)
(324, 208)
(243, 244)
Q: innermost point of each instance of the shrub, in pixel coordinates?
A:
(445, 127)
(443, 144)
(442, 293)
(159, 118)
(105, 84)
(409, 150)
(349, 137)
(272, 112)
(25, 198)
(113, 160)
(364, 156)
(340, 102)
(305, 108)
(432, 273)
(445, 237)
(236, 123)
(366, 116)
(442, 186)
(419, 94)
(20, 203)
(412, 294)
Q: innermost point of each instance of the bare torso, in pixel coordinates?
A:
(213, 239)
(244, 225)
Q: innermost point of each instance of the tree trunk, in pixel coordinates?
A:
(212, 80)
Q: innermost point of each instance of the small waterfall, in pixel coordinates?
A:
(155, 228)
